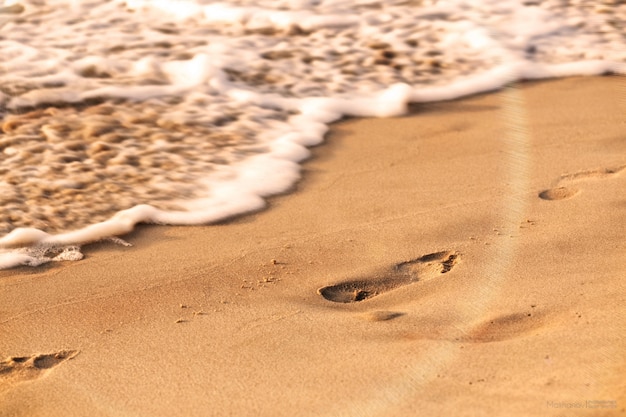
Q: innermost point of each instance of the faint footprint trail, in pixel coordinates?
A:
(562, 191)
(16, 369)
(420, 269)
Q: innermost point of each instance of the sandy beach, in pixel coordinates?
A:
(467, 259)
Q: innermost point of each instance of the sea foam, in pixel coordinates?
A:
(189, 112)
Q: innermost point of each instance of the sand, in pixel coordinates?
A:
(466, 260)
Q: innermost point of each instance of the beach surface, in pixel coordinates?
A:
(467, 259)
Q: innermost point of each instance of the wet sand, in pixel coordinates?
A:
(467, 259)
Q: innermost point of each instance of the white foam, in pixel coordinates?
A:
(216, 38)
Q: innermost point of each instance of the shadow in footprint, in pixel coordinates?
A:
(24, 368)
(420, 269)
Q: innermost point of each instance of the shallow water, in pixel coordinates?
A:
(187, 112)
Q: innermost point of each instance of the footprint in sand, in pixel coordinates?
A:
(381, 315)
(562, 192)
(17, 369)
(505, 327)
(421, 269)
(559, 193)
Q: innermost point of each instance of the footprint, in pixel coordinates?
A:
(17, 369)
(381, 315)
(504, 327)
(421, 269)
(592, 173)
(561, 192)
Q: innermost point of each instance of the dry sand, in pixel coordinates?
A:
(481, 242)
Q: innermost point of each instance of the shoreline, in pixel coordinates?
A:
(228, 318)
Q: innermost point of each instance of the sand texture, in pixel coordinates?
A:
(465, 260)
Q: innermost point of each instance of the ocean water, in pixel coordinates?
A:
(116, 112)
